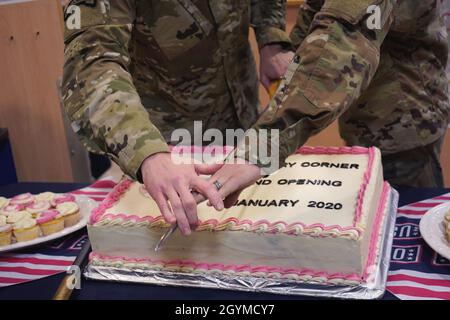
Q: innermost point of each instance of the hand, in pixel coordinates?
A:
(234, 178)
(167, 182)
(274, 62)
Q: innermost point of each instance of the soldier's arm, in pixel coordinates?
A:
(268, 18)
(305, 16)
(98, 92)
(334, 64)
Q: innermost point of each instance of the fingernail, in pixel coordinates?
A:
(187, 231)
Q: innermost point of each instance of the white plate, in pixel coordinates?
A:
(432, 229)
(86, 205)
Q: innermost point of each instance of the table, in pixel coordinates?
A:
(45, 288)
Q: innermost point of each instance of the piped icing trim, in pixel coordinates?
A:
(110, 200)
(236, 270)
(99, 217)
(349, 150)
(377, 224)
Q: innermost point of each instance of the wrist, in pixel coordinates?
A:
(147, 163)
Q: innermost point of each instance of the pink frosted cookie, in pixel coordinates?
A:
(26, 229)
(12, 208)
(24, 198)
(70, 212)
(17, 216)
(45, 196)
(50, 221)
(38, 206)
(62, 199)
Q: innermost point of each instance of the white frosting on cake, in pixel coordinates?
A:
(312, 219)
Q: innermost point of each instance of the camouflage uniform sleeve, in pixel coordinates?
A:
(268, 18)
(333, 65)
(99, 97)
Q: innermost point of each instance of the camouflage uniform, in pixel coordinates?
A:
(387, 86)
(138, 69)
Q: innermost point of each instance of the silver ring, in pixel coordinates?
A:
(218, 185)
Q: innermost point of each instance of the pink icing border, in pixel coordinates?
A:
(110, 200)
(348, 150)
(235, 268)
(119, 190)
(378, 222)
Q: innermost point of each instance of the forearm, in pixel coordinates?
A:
(305, 16)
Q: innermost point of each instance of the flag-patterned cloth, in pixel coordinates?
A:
(416, 271)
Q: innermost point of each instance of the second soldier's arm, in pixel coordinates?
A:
(268, 18)
(305, 16)
(334, 64)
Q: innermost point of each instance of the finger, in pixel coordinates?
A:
(210, 191)
(207, 169)
(229, 185)
(189, 203)
(178, 210)
(163, 206)
(232, 198)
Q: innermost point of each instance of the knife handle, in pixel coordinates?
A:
(64, 290)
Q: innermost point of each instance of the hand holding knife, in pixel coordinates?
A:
(272, 91)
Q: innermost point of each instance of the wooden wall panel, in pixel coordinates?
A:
(31, 62)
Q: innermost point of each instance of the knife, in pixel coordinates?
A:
(166, 236)
(273, 88)
(170, 231)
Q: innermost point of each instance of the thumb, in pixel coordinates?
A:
(208, 169)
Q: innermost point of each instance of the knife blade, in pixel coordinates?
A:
(170, 231)
(165, 236)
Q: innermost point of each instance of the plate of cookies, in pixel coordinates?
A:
(27, 220)
(435, 229)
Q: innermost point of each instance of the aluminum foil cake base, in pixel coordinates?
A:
(374, 288)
